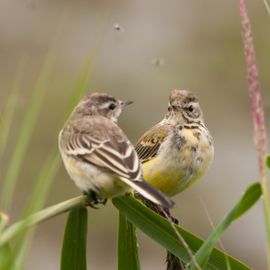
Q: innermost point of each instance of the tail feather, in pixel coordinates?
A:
(149, 192)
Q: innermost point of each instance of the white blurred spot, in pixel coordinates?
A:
(118, 27)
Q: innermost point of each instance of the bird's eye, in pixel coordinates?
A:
(112, 106)
(190, 108)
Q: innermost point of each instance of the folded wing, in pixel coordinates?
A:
(115, 154)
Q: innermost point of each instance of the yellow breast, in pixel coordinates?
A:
(166, 180)
(175, 168)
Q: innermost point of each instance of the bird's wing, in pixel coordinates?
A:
(111, 151)
(148, 145)
(112, 154)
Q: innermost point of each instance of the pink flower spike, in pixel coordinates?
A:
(254, 90)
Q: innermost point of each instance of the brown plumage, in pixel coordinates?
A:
(97, 154)
(176, 152)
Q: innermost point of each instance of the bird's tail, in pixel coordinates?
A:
(149, 192)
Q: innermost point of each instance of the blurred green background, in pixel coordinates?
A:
(160, 46)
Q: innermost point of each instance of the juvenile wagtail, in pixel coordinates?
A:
(97, 154)
(178, 150)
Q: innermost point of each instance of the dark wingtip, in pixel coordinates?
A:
(162, 199)
(167, 203)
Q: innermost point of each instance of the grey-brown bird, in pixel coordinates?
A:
(177, 151)
(97, 154)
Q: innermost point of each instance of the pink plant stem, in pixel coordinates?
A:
(257, 112)
(254, 89)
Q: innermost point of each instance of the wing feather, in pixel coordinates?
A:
(148, 145)
(119, 158)
(108, 148)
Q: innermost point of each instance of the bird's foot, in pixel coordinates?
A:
(94, 200)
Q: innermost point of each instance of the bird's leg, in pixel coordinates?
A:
(94, 200)
(103, 201)
(174, 220)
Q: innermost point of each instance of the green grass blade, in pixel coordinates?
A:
(47, 213)
(267, 6)
(5, 251)
(160, 230)
(51, 165)
(44, 181)
(128, 257)
(249, 198)
(213, 228)
(3, 221)
(268, 161)
(35, 203)
(20, 255)
(6, 120)
(25, 132)
(7, 115)
(6, 257)
(74, 245)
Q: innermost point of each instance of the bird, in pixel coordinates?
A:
(177, 151)
(97, 154)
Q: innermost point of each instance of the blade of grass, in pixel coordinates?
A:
(3, 221)
(155, 226)
(6, 120)
(47, 213)
(20, 255)
(160, 230)
(79, 89)
(8, 113)
(35, 203)
(25, 132)
(46, 177)
(250, 197)
(30, 119)
(128, 257)
(5, 251)
(268, 161)
(44, 181)
(213, 228)
(182, 242)
(6, 257)
(52, 164)
(74, 244)
(267, 6)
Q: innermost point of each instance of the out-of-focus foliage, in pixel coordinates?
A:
(74, 244)
(173, 45)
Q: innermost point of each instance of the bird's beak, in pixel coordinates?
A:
(126, 103)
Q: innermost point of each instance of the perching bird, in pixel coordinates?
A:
(97, 154)
(175, 153)
(178, 150)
